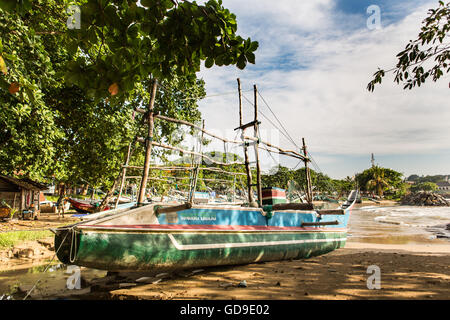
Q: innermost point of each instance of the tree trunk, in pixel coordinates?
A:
(108, 195)
(84, 189)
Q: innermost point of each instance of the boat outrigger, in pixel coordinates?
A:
(162, 236)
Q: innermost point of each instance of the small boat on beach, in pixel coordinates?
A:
(85, 206)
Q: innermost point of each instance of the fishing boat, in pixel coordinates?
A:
(164, 236)
(161, 237)
(85, 206)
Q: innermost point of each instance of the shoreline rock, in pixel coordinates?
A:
(425, 199)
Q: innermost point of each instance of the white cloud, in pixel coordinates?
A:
(323, 97)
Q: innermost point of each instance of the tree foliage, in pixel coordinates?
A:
(121, 43)
(68, 95)
(379, 180)
(424, 186)
(431, 44)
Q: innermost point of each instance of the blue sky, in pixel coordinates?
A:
(312, 67)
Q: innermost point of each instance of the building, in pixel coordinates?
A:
(443, 186)
(21, 193)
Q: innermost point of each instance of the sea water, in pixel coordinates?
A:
(400, 222)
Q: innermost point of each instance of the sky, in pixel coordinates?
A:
(314, 61)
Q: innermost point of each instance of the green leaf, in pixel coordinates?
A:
(241, 62)
(209, 62)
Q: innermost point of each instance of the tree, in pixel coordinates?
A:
(424, 186)
(432, 43)
(123, 42)
(29, 62)
(379, 179)
(80, 127)
(377, 182)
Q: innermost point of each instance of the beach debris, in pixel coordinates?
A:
(157, 281)
(425, 199)
(162, 275)
(23, 288)
(145, 280)
(242, 284)
(226, 285)
(196, 271)
(278, 284)
(126, 285)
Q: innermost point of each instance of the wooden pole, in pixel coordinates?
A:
(309, 197)
(148, 151)
(256, 130)
(240, 101)
(247, 163)
(124, 173)
(195, 172)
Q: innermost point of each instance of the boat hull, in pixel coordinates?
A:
(150, 250)
(143, 240)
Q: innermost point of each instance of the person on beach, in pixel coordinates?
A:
(61, 201)
(60, 205)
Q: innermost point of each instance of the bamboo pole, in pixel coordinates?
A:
(256, 131)
(246, 158)
(165, 146)
(280, 150)
(148, 151)
(161, 117)
(309, 197)
(240, 101)
(195, 172)
(124, 173)
(188, 169)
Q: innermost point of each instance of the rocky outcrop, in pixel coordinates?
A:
(425, 199)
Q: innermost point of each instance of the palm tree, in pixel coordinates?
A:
(378, 181)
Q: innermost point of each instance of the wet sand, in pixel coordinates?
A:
(413, 265)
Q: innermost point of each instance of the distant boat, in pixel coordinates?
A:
(85, 206)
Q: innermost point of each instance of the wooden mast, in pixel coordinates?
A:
(198, 163)
(309, 197)
(124, 173)
(148, 145)
(247, 163)
(256, 130)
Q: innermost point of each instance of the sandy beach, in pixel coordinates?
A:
(413, 265)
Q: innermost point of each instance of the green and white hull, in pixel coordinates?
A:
(202, 236)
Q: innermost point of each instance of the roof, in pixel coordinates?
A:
(24, 183)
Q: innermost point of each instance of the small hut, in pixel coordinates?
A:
(20, 193)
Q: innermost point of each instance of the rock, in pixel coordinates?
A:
(242, 284)
(424, 199)
(278, 284)
(24, 288)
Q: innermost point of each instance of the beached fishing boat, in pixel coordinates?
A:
(160, 236)
(84, 206)
(150, 238)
